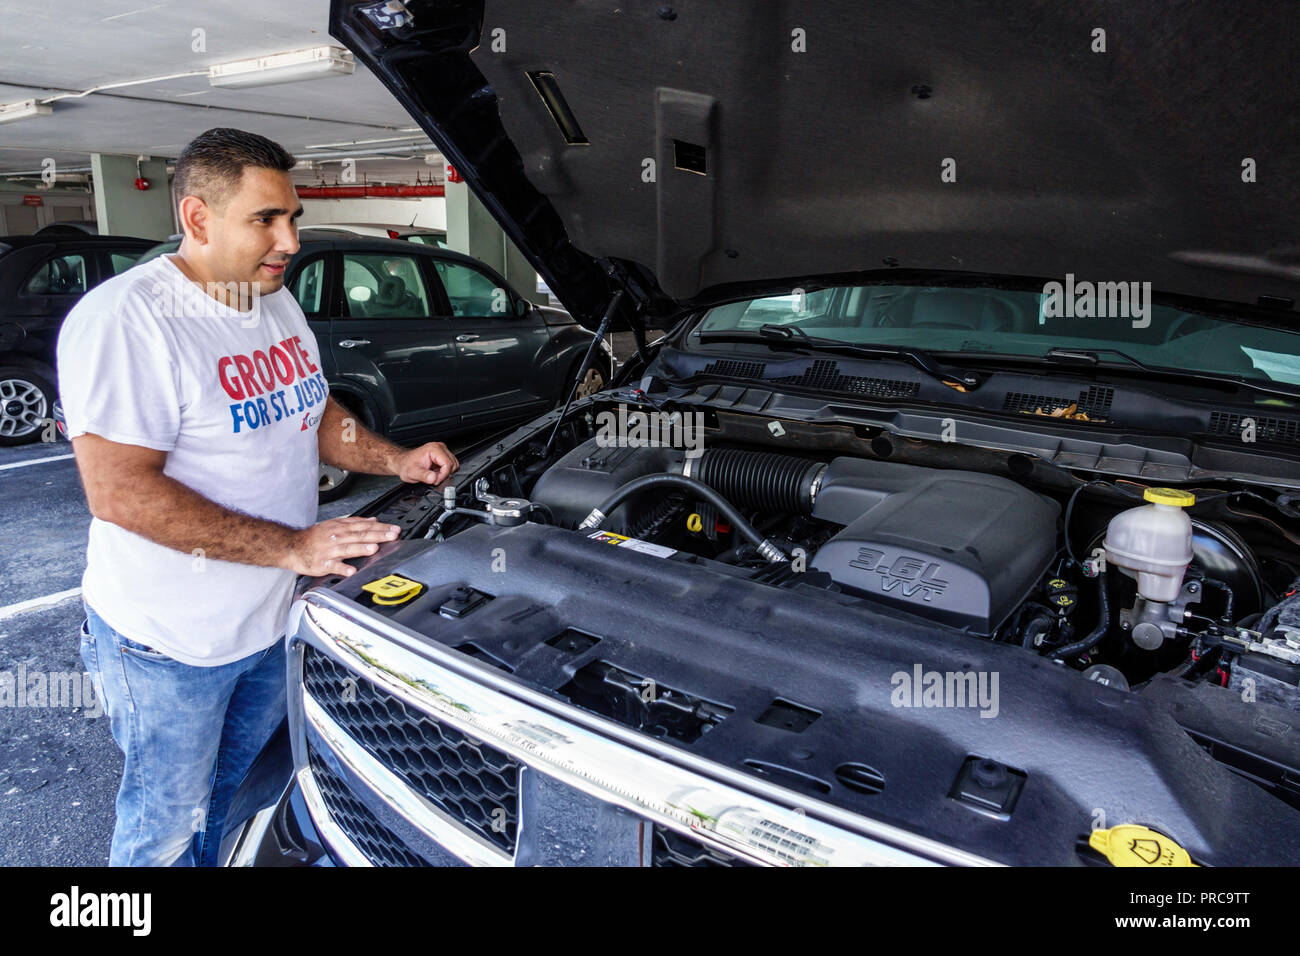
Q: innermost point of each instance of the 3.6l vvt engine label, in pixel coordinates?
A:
(906, 574)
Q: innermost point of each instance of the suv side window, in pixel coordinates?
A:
(121, 261)
(309, 287)
(383, 286)
(474, 293)
(61, 275)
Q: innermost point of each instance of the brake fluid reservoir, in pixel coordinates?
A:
(1153, 543)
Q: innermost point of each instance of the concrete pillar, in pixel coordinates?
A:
(472, 230)
(123, 210)
(519, 272)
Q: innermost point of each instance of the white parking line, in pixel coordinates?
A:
(49, 600)
(35, 461)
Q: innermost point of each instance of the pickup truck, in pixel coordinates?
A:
(955, 520)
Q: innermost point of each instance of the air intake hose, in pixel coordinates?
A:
(764, 481)
(700, 490)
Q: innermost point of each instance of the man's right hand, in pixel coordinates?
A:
(323, 548)
(126, 486)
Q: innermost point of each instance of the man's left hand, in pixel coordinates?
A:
(431, 463)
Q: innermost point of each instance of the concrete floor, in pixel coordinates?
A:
(59, 766)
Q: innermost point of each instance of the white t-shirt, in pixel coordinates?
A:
(235, 399)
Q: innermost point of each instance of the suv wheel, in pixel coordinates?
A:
(591, 383)
(26, 404)
(336, 482)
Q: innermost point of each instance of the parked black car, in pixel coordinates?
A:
(69, 227)
(41, 278)
(425, 343)
(423, 234)
(964, 561)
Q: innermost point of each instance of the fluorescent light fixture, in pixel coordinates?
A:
(307, 64)
(23, 109)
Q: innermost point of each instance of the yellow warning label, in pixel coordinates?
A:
(632, 544)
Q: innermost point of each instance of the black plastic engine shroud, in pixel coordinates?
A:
(1083, 748)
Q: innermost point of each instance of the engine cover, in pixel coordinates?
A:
(959, 548)
(590, 473)
(956, 547)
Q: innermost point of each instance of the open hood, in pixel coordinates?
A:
(691, 151)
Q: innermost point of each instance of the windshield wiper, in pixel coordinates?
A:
(787, 332)
(1072, 356)
(1092, 357)
(788, 336)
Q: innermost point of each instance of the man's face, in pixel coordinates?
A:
(254, 232)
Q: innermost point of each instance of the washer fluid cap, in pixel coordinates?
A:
(1130, 844)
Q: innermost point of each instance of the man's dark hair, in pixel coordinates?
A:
(211, 165)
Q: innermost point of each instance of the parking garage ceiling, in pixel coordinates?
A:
(50, 50)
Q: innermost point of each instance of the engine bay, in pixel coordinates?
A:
(1016, 554)
(957, 548)
(1166, 593)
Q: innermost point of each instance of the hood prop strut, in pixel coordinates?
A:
(599, 337)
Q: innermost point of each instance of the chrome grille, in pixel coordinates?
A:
(471, 782)
(381, 846)
(671, 848)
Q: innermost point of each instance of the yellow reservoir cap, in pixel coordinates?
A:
(392, 589)
(1169, 496)
(1130, 844)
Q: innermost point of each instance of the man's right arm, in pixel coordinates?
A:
(125, 486)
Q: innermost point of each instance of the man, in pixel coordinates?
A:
(198, 412)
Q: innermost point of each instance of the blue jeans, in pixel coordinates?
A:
(189, 735)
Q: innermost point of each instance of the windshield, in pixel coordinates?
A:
(1025, 323)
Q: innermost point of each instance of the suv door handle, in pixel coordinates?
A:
(468, 337)
(352, 343)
